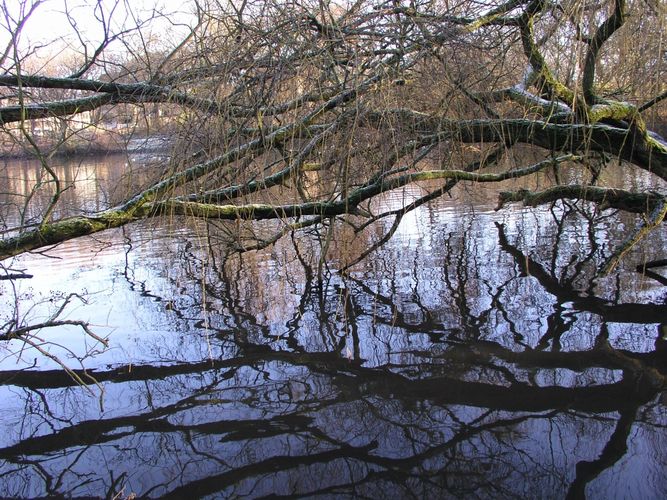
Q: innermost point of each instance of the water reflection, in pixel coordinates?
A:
(88, 185)
(474, 355)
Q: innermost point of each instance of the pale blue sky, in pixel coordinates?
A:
(49, 23)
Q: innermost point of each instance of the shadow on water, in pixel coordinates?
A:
(473, 355)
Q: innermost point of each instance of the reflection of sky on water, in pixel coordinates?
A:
(462, 358)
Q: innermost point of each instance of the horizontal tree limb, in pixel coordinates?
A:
(73, 227)
(634, 144)
(527, 99)
(66, 107)
(606, 198)
(133, 93)
(15, 276)
(648, 153)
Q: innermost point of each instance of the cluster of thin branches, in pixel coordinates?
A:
(306, 112)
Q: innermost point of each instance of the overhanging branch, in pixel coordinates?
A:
(606, 198)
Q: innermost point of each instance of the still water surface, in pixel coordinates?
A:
(473, 355)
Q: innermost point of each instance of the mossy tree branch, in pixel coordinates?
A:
(74, 227)
(605, 198)
(603, 33)
(340, 93)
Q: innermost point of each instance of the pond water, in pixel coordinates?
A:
(475, 354)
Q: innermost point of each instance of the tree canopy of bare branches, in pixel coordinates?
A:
(370, 96)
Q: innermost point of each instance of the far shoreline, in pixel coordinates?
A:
(158, 143)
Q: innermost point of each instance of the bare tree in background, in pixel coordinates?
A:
(306, 111)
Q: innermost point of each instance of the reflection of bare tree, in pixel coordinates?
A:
(615, 448)
(368, 384)
(564, 291)
(381, 399)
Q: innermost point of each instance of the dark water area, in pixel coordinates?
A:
(476, 354)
